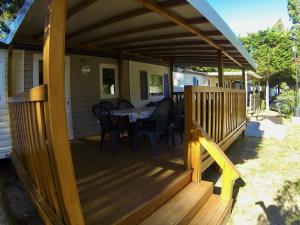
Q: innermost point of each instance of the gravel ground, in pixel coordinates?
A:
(18, 204)
(269, 191)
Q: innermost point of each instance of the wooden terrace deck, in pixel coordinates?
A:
(112, 186)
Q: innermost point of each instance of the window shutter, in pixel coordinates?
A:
(144, 85)
(166, 85)
(194, 81)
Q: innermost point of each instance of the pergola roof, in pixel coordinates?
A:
(171, 31)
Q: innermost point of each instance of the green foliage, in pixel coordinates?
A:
(294, 11)
(286, 101)
(203, 69)
(8, 13)
(271, 48)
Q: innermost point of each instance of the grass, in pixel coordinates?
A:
(269, 192)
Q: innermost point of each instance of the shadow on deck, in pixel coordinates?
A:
(111, 186)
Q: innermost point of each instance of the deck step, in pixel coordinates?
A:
(183, 206)
(143, 211)
(215, 212)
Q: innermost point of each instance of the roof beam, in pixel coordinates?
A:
(152, 27)
(171, 44)
(184, 24)
(202, 53)
(80, 7)
(124, 16)
(155, 38)
(182, 48)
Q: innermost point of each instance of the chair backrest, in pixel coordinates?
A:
(106, 106)
(124, 104)
(161, 113)
(178, 111)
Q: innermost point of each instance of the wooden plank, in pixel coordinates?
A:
(80, 7)
(148, 208)
(220, 67)
(46, 213)
(188, 118)
(183, 206)
(209, 115)
(33, 95)
(152, 27)
(172, 44)
(184, 24)
(123, 16)
(179, 48)
(44, 157)
(55, 113)
(204, 118)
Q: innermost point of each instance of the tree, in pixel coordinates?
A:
(8, 13)
(271, 48)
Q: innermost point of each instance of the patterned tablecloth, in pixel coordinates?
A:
(134, 113)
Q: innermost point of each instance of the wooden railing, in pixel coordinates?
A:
(33, 157)
(220, 112)
(201, 141)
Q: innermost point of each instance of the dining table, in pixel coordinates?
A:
(134, 114)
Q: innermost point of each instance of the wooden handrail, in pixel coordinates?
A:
(36, 94)
(230, 173)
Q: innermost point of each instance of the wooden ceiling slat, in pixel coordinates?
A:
(182, 48)
(171, 44)
(184, 24)
(80, 7)
(123, 16)
(154, 38)
(152, 27)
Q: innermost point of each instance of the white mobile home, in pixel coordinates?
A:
(184, 77)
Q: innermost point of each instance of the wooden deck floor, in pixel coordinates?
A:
(111, 186)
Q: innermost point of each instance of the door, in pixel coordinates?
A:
(38, 80)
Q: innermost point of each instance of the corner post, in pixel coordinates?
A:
(120, 63)
(245, 86)
(171, 78)
(220, 67)
(189, 109)
(55, 113)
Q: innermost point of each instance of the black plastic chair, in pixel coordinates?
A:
(178, 122)
(109, 123)
(157, 124)
(124, 104)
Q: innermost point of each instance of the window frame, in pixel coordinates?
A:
(109, 66)
(155, 96)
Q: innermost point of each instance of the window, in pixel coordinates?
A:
(109, 81)
(2, 81)
(156, 85)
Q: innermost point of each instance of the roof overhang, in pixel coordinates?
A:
(188, 32)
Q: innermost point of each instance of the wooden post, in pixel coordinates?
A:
(55, 113)
(9, 71)
(220, 68)
(189, 109)
(245, 85)
(171, 78)
(254, 96)
(120, 73)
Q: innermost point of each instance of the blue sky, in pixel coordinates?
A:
(245, 16)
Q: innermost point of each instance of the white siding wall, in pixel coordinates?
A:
(17, 71)
(85, 92)
(17, 87)
(5, 142)
(135, 87)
